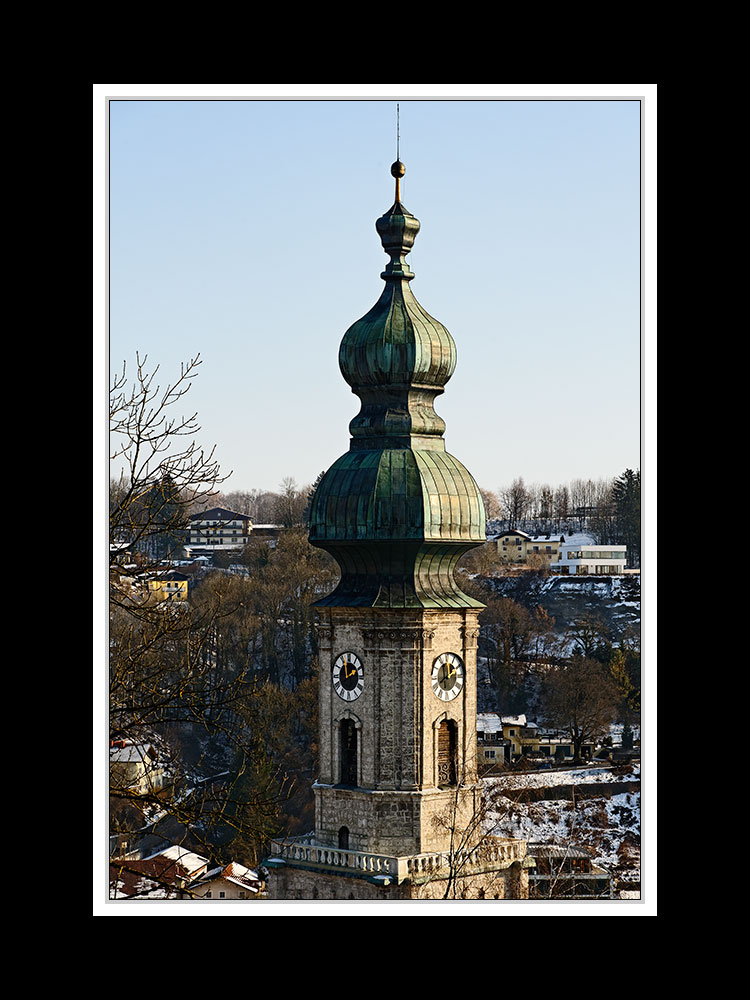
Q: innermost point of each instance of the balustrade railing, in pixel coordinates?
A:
(490, 852)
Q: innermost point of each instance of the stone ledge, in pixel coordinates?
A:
(493, 854)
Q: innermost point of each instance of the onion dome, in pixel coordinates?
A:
(397, 511)
(397, 358)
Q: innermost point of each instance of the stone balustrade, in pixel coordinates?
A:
(492, 852)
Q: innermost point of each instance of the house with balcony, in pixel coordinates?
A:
(575, 559)
(217, 527)
(511, 546)
(516, 547)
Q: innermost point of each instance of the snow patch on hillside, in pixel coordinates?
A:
(609, 826)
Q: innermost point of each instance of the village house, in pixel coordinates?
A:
(168, 585)
(575, 559)
(503, 739)
(134, 767)
(164, 875)
(515, 547)
(218, 526)
(233, 881)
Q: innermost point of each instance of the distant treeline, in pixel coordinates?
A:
(607, 509)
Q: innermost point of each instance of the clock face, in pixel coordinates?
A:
(348, 677)
(447, 676)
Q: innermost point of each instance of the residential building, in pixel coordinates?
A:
(164, 875)
(135, 767)
(511, 546)
(218, 526)
(582, 560)
(234, 881)
(493, 746)
(168, 585)
(502, 739)
(518, 548)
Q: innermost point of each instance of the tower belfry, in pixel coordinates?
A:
(397, 792)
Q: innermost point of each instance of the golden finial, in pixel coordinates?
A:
(398, 170)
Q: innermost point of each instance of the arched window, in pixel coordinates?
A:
(344, 838)
(447, 743)
(348, 752)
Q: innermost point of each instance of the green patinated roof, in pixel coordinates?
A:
(397, 343)
(397, 494)
(397, 511)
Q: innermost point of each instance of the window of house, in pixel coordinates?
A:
(222, 895)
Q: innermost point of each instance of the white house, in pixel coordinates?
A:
(218, 526)
(134, 766)
(576, 559)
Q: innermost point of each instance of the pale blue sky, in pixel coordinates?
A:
(244, 230)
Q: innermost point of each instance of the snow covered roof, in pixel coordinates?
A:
(132, 753)
(240, 875)
(191, 862)
(491, 722)
(235, 873)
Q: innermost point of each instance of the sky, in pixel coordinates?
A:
(243, 230)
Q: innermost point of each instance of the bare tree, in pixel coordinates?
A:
(292, 502)
(582, 698)
(514, 500)
(492, 507)
(477, 864)
(561, 505)
(161, 474)
(169, 688)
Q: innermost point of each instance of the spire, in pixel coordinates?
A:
(397, 357)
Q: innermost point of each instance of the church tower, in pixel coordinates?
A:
(397, 794)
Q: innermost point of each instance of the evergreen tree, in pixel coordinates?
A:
(626, 494)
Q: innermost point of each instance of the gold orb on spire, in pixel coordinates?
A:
(398, 169)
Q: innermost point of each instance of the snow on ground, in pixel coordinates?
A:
(608, 825)
(572, 776)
